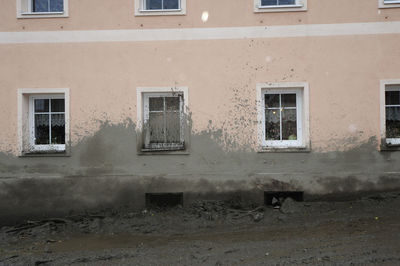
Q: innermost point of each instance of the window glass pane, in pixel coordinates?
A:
(277, 2)
(392, 97)
(153, 4)
(269, 2)
(289, 124)
(173, 127)
(289, 100)
(156, 127)
(40, 6)
(171, 4)
(156, 104)
(392, 122)
(172, 103)
(41, 105)
(272, 125)
(286, 2)
(57, 105)
(56, 5)
(58, 129)
(271, 100)
(41, 129)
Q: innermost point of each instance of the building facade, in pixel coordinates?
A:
(104, 101)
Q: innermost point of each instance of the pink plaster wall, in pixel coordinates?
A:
(106, 14)
(343, 74)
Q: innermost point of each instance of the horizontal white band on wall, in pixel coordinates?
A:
(310, 30)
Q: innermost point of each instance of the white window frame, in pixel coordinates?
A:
(302, 115)
(24, 10)
(140, 9)
(383, 88)
(300, 5)
(26, 131)
(389, 3)
(42, 147)
(143, 95)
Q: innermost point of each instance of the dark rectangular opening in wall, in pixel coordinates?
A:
(164, 200)
(270, 195)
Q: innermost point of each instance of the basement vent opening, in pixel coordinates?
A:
(275, 198)
(164, 200)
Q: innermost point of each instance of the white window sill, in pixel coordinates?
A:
(275, 149)
(281, 6)
(389, 4)
(393, 142)
(46, 150)
(42, 15)
(159, 12)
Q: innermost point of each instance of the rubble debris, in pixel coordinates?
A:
(290, 206)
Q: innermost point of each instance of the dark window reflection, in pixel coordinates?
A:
(48, 5)
(392, 98)
(162, 4)
(277, 2)
(271, 100)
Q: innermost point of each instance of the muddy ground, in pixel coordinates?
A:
(359, 232)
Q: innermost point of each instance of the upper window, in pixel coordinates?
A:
(162, 119)
(43, 116)
(42, 8)
(283, 116)
(389, 3)
(279, 5)
(160, 7)
(392, 114)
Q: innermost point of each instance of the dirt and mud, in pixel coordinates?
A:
(365, 231)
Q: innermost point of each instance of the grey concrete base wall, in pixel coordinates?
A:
(105, 171)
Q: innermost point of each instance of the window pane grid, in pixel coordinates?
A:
(270, 131)
(49, 124)
(277, 2)
(165, 125)
(161, 4)
(47, 5)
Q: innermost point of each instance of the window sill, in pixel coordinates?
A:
(163, 152)
(281, 8)
(270, 149)
(43, 15)
(390, 147)
(45, 154)
(389, 4)
(160, 12)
